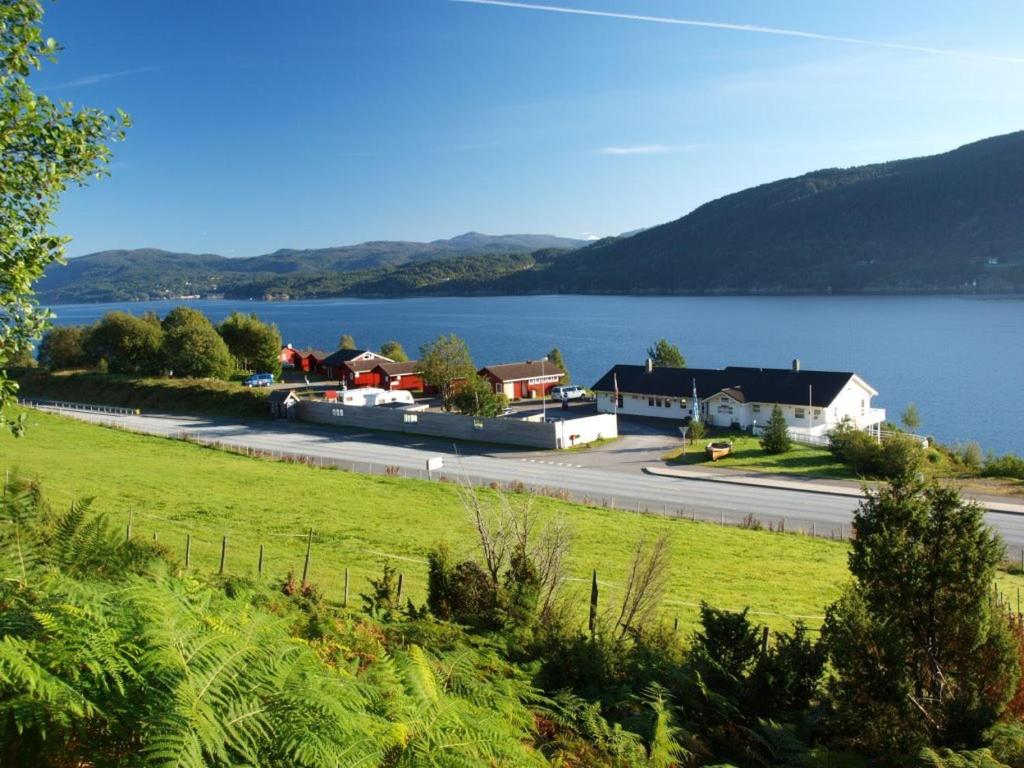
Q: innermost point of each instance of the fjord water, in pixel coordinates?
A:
(960, 359)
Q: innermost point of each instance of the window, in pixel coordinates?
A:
(411, 418)
(337, 411)
(650, 401)
(756, 408)
(619, 403)
(478, 424)
(668, 403)
(862, 407)
(817, 413)
(800, 413)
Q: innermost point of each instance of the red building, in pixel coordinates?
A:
(313, 361)
(405, 375)
(353, 367)
(290, 357)
(533, 378)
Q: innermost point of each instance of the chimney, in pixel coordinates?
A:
(650, 365)
(796, 364)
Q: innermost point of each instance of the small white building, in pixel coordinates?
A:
(813, 402)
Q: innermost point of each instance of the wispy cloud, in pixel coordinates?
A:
(99, 77)
(645, 149)
(748, 28)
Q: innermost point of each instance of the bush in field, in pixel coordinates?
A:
(775, 438)
(920, 654)
(898, 455)
(255, 345)
(129, 344)
(1008, 465)
(970, 455)
(193, 348)
(63, 347)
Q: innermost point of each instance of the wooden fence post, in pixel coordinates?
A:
(764, 641)
(188, 549)
(401, 581)
(223, 554)
(155, 536)
(592, 623)
(305, 565)
(128, 528)
(344, 601)
(259, 564)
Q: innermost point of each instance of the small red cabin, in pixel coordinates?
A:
(533, 378)
(353, 367)
(405, 375)
(290, 357)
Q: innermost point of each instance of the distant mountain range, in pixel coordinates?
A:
(948, 223)
(151, 273)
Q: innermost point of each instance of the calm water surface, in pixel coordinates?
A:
(961, 359)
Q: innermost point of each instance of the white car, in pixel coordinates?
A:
(568, 392)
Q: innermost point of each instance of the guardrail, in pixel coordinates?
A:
(64, 405)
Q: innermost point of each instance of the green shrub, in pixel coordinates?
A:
(970, 455)
(1007, 465)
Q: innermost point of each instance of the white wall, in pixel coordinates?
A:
(586, 429)
(640, 405)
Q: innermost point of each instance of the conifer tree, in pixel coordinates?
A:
(776, 433)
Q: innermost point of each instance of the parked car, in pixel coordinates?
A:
(259, 380)
(568, 392)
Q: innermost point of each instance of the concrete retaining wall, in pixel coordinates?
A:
(504, 430)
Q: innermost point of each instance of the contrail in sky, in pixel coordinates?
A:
(747, 28)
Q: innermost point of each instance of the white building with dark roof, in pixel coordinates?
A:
(813, 402)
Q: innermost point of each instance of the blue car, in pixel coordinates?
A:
(259, 380)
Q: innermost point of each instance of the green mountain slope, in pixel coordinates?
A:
(949, 222)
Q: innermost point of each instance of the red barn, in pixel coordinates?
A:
(405, 375)
(533, 378)
(353, 367)
(290, 357)
(312, 361)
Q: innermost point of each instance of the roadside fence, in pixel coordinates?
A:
(64, 405)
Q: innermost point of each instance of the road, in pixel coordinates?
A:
(591, 477)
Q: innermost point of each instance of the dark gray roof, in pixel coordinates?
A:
(531, 369)
(278, 396)
(762, 385)
(400, 369)
(335, 359)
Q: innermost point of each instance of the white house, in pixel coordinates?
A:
(813, 402)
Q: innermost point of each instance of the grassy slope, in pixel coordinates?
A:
(748, 455)
(175, 488)
(188, 396)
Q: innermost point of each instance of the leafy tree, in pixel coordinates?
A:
(447, 365)
(23, 359)
(46, 146)
(127, 343)
(665, 354)
(476, 397)
(193, 348)
(775, 438)
(394, 350)
(921, 654)
(347, 341)
(255, 345)
(911, 418)
(63, 347)
(555, 356)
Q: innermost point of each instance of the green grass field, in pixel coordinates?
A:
(747, 454)
(174, 488)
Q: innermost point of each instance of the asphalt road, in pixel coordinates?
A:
(601, 478)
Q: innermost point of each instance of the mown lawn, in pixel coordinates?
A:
(174, 488)
(747, 454)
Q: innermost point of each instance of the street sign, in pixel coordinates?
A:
(434, 463)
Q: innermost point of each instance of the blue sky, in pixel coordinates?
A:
(262, 124)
